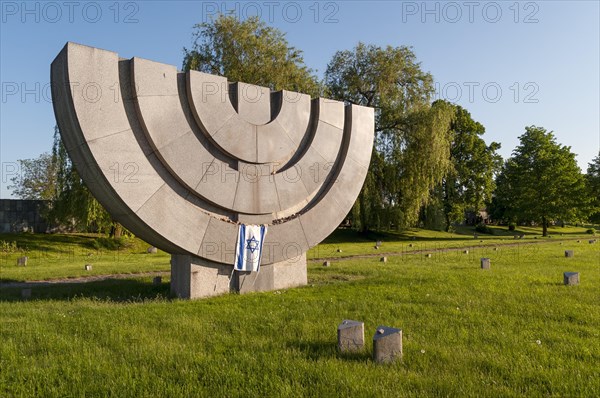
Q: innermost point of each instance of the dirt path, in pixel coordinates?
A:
(98, 278)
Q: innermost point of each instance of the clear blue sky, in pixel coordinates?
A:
(511, 64)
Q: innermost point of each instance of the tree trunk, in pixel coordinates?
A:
(116, 231)
(364, 227)
(544, 226)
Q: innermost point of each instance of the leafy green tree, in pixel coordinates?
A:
(249, 51)
(541, 182)
(36, 179)
(411, 152)
(593, 184)
(73, 203)
(469, 183)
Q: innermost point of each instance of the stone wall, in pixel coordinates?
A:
(17, 215)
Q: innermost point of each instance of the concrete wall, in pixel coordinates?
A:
(17, 215)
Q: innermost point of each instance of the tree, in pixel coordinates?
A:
(541, 182)
(593, 185)
(411, 137)
(249, 51)
(36, 180)
(469, 183)
(73, 203)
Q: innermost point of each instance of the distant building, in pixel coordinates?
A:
(19, 215)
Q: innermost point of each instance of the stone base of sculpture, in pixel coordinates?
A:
(194, 277)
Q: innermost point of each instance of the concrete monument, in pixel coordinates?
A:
(182, 158)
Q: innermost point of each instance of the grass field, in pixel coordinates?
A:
(514, 330)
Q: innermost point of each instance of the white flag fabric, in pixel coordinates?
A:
(249, 247)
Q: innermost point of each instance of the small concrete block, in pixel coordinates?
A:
(351, 336)
(410, 245)
(466, 251)
(376, 247)
(495, 249)
(326, 263)
(571, 278)
(157, 280)
(383, 259)
(379, 243)
(475, 236)
(26, 293)
(22, 261)
(428, 255)
(152, 250)
(485, 263)
(387, 344)
(88, 267)
(569, 253)
(578, 241)
(339, 250)
(591, 241)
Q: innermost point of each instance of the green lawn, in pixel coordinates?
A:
(514, 330)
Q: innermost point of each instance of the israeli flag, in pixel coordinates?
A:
(249, 247)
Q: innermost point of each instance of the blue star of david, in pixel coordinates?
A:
(252, 244)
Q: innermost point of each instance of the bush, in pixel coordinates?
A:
(112, 243)
(590, 231)
(9, 247)
(512, 227)
(484, 229)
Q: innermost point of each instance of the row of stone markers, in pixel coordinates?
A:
(387, 341)
(571, 278)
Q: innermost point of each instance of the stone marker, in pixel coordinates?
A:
(571, 278)
(26, 293)
(410, 245)
(592, 241)
(351, 336)
(383, 259)
(326, 263)
(475, 236)
(486, 263)
(22, 261)
(495, 249)
(387, 344)
(339, 250)
(88, 267)
(157, 280)
(578, 241)
(428, 255)
(516, 236)
(376, 247)
(152, 250)
(379, 243)
(569, 253)
(466, 251)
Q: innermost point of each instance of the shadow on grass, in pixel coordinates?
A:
(317, 350)
(118, 290)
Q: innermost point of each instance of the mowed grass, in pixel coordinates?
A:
(514, 330)
(65, 255)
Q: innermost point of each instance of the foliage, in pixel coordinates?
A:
(593, 186)
(9, 247)
(36, 178)
(249, 51)
(484, 229)
(541, 182)
(74, 205)
(469, 183)
(121, 242)
(411, 136)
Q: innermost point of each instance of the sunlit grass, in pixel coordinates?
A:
(514, 330)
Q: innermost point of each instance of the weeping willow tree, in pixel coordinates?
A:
(73, 203)
(412, 142)
(249, 51)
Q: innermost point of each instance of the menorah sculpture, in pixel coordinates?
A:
(182, 158)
